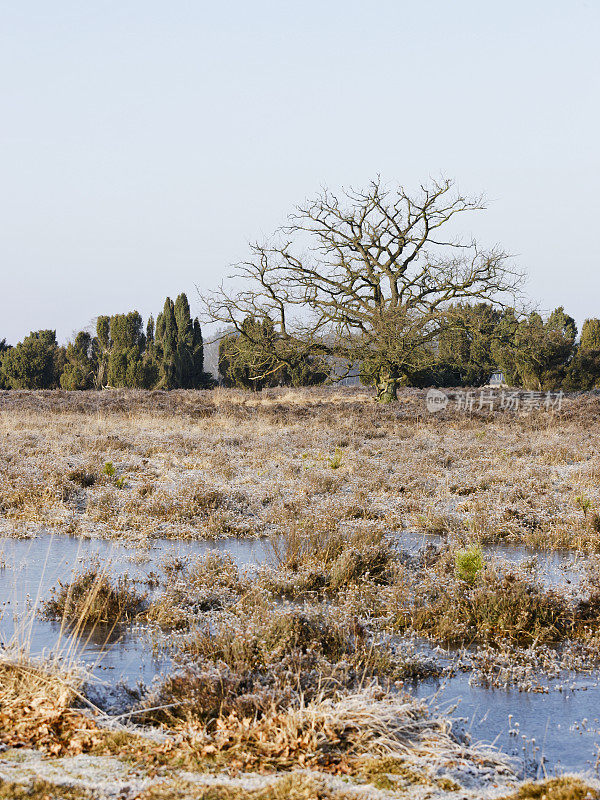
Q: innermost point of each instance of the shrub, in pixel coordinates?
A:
(82, 478)
(353, 565)
(494, 609)
(317, 539)
(206, 692)
(468, 564)
(34, 363)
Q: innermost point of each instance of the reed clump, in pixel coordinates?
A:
(489, 608)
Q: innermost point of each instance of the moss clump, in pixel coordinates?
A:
(555, 789)
(40, 790)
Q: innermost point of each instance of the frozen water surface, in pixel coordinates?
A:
(555, 730)
(30, 568)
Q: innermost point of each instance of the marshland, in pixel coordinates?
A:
(297, 593)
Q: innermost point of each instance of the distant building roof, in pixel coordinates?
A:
(496, 378)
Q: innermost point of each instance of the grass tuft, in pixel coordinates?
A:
(91, 598)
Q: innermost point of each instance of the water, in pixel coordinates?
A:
(558, 569)
(564, 722)
(31, 568)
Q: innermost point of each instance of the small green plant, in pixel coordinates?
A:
(109, 469)
(120, 483)
(584, 504)
(468, 564)
(336, 461)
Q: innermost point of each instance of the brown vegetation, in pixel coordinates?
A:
(377, 521)
(92, 598)
(36, 709)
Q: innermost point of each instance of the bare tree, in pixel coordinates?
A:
(367, 277)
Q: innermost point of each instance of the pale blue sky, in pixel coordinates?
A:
(143, 143)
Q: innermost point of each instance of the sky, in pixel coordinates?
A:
(143, 144)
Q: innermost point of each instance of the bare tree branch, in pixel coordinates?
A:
(367, 276)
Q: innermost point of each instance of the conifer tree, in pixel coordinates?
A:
(199, 377)
(103, 345)
(590, 334)
(179, 347)
(34, 363)
(127, 344)
(584, 370)
(185, 343)
(253, 359)
(150, 332)
(81, 363)
(166, 340)
(4, 384)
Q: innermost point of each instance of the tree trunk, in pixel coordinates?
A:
(387, 387)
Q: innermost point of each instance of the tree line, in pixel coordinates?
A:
(531, 352)
(121, 353)
(375, 280)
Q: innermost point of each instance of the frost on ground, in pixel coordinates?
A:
(288, 681)
(205, 464)
(27, 774)
(109, 777)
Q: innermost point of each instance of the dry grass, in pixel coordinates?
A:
(331, 479)
(291, 787)
(41, 790)
(491, 609)
(331, 734)
(565, 788)
(206, 464)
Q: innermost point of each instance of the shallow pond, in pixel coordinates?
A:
(558, 731)
(557, 569)
(563, 721)
(30, 568)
